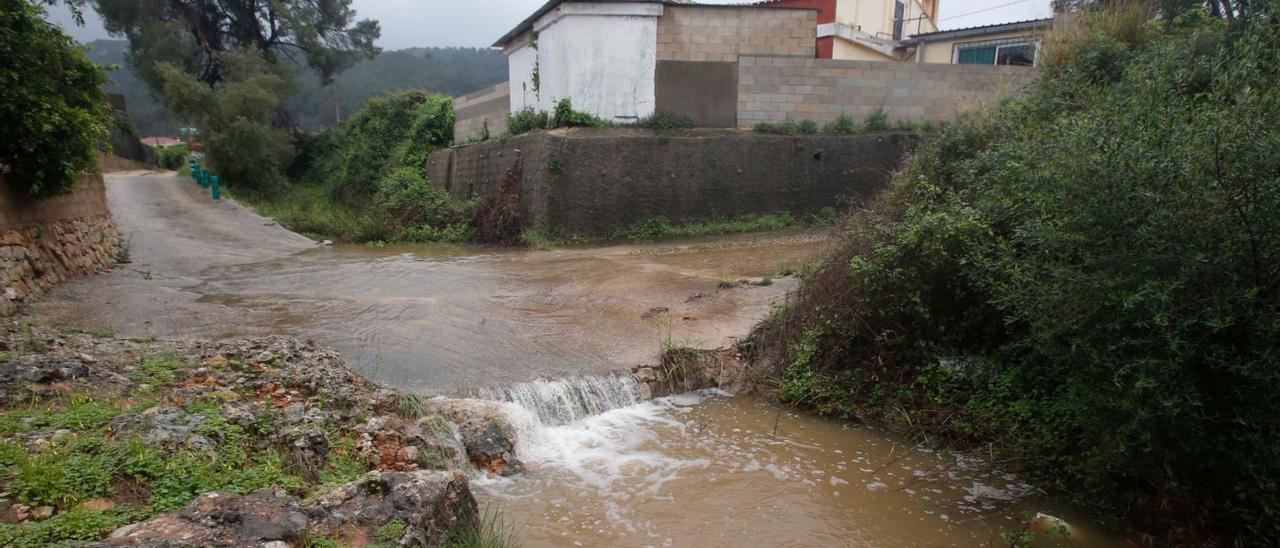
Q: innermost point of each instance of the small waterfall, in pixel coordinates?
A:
(563, 401)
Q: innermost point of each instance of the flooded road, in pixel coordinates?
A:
(711, 470)
(604, 467)
(432, 318)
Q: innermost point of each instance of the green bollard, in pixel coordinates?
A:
(217, 191)
(204, 181)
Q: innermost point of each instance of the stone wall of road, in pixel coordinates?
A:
(486, 108)
(774, 89)
(44, 242)
(711, 33)
(602, 181)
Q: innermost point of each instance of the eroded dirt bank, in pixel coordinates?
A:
(432, 318)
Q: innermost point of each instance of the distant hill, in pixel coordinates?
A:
(451, 71)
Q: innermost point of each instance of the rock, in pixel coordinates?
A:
(164, 425)
(42, 513)
(85, 358)
(430, 503)
(488, 436)
(264, 357)
(96, 505)
(221, 519)
(40, 369)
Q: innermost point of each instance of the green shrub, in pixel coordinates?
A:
(662, 120)
(527, 120)
(565, 116)
(844, 125)
(878, 120)
(803, 127)
(1086, 279)
(172, 156)
(53, 110)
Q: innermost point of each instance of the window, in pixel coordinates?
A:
(1006, 52)
(899, 18)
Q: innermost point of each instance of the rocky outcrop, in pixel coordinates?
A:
(487, 434)
(397, 508)
(270, 399)
(686, 369)
(221, 519)
(429, 505)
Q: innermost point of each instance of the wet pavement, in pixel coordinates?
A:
(433, 318)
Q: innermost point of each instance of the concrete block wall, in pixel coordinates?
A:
(473, 111)
(707, 33)
(44, 242)
(608, 180)
(774, 89)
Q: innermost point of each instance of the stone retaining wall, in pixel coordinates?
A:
(44, 242)
(595, 182)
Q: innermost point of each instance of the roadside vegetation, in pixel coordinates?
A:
(1081, 282)
(564, 115)
(877, 121)
(52, 107)
(363, 180)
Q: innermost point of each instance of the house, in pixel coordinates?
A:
(735, 66)
(606, 54)
(1016, 44)
(904, 30)
(868, 30)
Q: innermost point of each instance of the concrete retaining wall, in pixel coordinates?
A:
(487, 108)
(772, 89)
(594, 183)
(44, 242)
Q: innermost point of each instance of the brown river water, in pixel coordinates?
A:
(606, 469)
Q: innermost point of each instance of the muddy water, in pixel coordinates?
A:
(710, 470)
(437, 319)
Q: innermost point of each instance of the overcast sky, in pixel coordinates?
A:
(411, 23)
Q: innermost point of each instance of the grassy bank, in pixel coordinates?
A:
(1081, 282)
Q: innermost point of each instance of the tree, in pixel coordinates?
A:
(52, 106)
(193, 33)
(228, 65)
(236, 115)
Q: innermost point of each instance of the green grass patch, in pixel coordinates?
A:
(156, 371)
(659, 227)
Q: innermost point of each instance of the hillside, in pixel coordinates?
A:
(451, 71)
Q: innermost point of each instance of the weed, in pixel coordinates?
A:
(878, 120)
(76, 526)
(410, 406)
(537, 239)
(662, 120)
(725, 283)
(556, 163)
(844, 125)
(486, 531)
(6, 357)
(156, 371)
(659, 227)
(803, 127)
(785, 270)
(392, 531)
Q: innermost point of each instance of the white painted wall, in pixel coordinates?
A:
(601, 56)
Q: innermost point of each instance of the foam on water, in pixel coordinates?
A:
(563, 401)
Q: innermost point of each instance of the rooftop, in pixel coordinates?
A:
(981, 30)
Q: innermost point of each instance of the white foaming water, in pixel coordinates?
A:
(563, 401)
